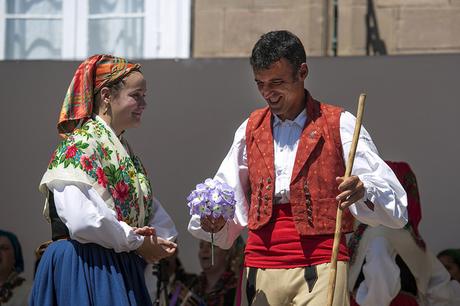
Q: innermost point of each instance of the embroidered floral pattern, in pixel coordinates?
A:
(101, 177)
(92, 150)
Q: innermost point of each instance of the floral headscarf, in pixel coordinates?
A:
(94, 73)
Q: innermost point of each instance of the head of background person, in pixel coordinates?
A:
(278, 61)
(11, 259)
(408, 181)
(450, 258)
(108, 86)
(224, 260)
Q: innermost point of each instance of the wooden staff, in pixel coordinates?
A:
(338, 224)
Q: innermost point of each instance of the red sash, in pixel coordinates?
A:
(278, 245)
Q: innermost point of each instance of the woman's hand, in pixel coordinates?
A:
(167, 247)
(145, 231)
(155, 248)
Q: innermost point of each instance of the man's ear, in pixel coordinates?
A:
(303, 71)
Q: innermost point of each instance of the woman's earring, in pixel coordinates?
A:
(106, 109)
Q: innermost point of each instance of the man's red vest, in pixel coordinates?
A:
(319, 160)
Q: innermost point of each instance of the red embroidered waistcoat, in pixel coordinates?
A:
(319, 160)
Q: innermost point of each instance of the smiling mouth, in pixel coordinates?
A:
(274, 101)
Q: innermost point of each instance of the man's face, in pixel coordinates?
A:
(282, 89)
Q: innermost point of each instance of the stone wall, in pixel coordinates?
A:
(229, 28)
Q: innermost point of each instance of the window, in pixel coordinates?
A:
(75, 29)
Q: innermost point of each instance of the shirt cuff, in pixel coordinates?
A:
(134, 241)
(367, 203)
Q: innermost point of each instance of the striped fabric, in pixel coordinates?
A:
(93, 74)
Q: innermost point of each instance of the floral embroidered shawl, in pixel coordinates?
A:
(94, 155)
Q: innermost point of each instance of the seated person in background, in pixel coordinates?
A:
(174, 283)
(14, 289)
(217, 285)
(392, 266)
(450, 258)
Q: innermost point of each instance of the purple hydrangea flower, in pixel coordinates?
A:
(215, 196)
(210, 183)
(212, 198)
(201, 188)
(228, 211)
(203, 210)
(216, 209)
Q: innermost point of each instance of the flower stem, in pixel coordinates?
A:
(212, 249)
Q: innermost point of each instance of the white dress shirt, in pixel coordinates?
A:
(381, 185)
(89, 219)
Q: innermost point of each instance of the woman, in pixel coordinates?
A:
(105, 222)
(14, 289)
(217, 285)
(450, 258)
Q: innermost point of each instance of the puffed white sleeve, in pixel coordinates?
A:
(234, 172)
(89, 219)
(382, 187)
(382, 281)
(162, 222)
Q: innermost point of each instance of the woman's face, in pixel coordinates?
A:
(7, 260)
(451, 266)
(204, 254)
(128, 104)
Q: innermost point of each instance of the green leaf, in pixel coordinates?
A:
(118, 176)
(110, 171)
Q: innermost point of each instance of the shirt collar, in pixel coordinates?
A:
(299, 120)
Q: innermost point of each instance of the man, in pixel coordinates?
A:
(286, 166)
(393, 266)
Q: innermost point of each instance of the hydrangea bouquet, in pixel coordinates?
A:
(212, 199)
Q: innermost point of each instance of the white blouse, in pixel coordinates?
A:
(381, 185)
(89, 219)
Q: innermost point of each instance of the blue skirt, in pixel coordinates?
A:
(72, 273)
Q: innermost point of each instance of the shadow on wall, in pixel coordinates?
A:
(374, 43)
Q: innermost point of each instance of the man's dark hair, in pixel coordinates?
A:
(275, 45)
